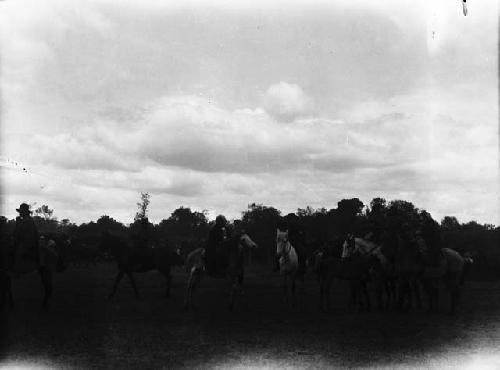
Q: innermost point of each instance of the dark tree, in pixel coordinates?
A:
(347, 211)
(184, 228)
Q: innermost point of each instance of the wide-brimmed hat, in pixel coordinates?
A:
(23, 208)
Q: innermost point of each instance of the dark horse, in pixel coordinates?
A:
(356, 269)
(130, 260)
(230, 264)
(53, 261)
(450, 270)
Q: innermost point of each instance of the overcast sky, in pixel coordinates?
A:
(214, 105)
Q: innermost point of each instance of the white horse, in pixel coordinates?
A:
(232, 251)
(289, 265)
(365, 248)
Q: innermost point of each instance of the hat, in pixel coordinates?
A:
(220, 220)
(23, 208)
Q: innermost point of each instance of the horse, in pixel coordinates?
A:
(50, 260)
(413, 268)
(230, 265)
(353, 268)
(382, 272)
(131, 260)
(288, 266)
(450, 270)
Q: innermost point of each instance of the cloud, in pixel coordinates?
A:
(287, 101)
(185, 102)
(192, 133)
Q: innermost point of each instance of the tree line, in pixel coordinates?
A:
(188, 229)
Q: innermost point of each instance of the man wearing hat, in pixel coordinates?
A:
(25, 238)
(216, 237)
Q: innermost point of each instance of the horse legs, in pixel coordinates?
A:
(132, 281)
(168, 278)
(432, 289)
(392, 291)
(364, 291)
(388, 293)
(353, 296)
(285, 288)
(416, 291)
(9, 291)
(322, 294)
(6, 290)
(294, 290)
(329, 282)
(115, 285)
(235, 288)
(452, 283)
(403, 292)
(187, 299)
(380, 289)
(194, 279)
(46, 277)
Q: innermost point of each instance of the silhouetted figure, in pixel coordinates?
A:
(216, 237)
(429, 241)
(25, 238)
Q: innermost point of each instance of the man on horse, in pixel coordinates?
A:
(213, 250)
(429, 241)
(25, 239)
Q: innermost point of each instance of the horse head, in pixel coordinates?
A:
(246, 242)
(281, 242)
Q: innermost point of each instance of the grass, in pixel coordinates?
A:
(85, 330)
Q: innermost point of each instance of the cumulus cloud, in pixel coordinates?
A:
(287, 101)
(192, 133)
(188, 148)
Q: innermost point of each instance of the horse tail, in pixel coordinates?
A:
(468, 261)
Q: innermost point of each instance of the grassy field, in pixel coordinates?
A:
(84, 330)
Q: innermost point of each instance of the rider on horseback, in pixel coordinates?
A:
(216, 237)
(429, 241)
(25, 238)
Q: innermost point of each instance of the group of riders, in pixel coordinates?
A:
(26, 249)
(30, 247)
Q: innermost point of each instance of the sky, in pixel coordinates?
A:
(214, 105)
